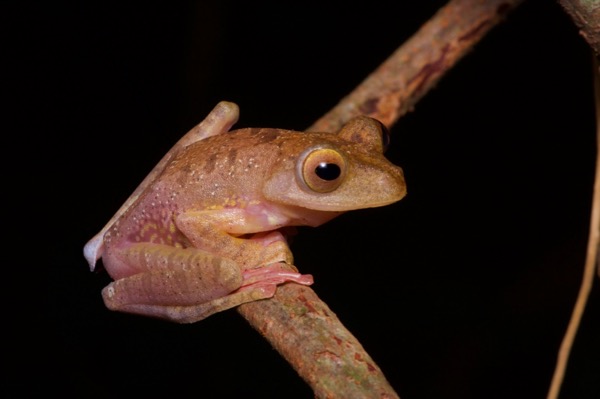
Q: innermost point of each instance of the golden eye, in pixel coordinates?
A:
(323, 170)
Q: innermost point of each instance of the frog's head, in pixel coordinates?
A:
(339, 172)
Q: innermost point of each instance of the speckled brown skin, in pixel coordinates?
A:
(204, 235)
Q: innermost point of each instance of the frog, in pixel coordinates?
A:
(207, 230)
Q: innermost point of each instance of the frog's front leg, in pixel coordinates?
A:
(247, 236)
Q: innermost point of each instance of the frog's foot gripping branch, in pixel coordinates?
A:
(259, 283)
(177, 300)
(194, 313)
(272, 275)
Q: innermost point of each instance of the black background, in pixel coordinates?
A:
(461, 290)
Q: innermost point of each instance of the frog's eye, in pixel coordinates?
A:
(323, 170)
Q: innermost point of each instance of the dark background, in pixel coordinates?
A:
(461, 290)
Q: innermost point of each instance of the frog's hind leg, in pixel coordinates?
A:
(258, 283)
(171, 278)
(186, 285)
(194, 313)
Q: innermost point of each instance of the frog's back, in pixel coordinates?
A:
(221, 171)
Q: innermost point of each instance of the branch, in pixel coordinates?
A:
(586, 15)
(412, 70)
(296, 322)
(309, 335)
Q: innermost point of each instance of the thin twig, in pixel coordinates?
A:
(296, 322)
(590, 263)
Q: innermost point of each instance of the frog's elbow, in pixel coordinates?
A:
(92, 251)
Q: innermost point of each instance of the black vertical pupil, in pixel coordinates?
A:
(328, 171)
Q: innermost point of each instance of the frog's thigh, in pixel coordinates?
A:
(171, 276)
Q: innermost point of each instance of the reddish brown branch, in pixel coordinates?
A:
(586, 15)
(296, 322)
(410, 72)
(311, 337)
